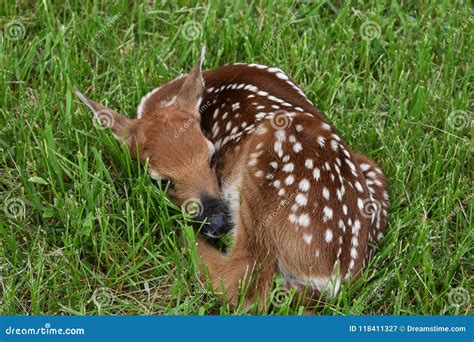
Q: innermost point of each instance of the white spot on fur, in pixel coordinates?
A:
(341, 225)
(358, 186)
(326, 193)
(307, 238)
(316, 174)
(288, 168)
(325, 126)
(321, 140)
(304, 220)
(280, 135)
(351, 164)
(371, 174)
(356, 227)
(354, 241)
(351, 264)
(339, 194)
(297, 147)
(301, 199)
(278, 148)
(328, 213)
(354, 253)
(328, 235)
(304, 185)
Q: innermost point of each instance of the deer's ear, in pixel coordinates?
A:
(190, 95)
(107, 118)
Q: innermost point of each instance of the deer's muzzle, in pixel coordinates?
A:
(216, 216)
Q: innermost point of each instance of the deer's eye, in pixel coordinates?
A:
(163, 183)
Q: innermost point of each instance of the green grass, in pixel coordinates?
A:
(96, 237)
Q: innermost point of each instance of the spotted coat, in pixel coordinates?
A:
(305, 203)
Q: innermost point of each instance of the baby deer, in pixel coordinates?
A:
(301, 204)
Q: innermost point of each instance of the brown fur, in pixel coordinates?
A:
(315, 232)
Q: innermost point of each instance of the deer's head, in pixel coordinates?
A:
(182, 162)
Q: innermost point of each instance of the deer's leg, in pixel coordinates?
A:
(224, 272)
(241, 269)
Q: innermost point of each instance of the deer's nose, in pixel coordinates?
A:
(216, 214)
(217, 220)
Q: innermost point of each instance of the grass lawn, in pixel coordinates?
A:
(84, 231)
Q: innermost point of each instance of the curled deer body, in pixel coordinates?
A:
(299, 202)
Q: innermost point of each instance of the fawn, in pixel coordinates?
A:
(300, 203)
